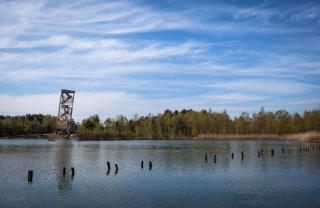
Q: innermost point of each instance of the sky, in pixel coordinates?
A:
(141, 57)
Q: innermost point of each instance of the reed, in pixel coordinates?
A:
(308, 136)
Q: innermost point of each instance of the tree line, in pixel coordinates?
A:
(169, 124)
(190, 123)
(30, 124)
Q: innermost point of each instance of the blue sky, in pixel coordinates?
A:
(127, 57)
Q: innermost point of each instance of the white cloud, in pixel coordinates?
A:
(266, 86)
(77, 50)
(58, 43)
(116, 103)
(123, 17)
(107, 104)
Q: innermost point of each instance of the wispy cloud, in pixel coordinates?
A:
(262, 86)
(111, 50)
(128, 54)
(107, 104)
(122, 17)
(116, 103)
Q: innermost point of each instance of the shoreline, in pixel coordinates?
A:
(304, 137)
(307, 136)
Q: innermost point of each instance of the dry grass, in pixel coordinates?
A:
(308, 136)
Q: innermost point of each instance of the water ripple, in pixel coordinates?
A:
(180, 176)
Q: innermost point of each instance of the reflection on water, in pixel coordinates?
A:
(63, 154)
(179, 175)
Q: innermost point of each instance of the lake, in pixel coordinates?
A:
(179, 177)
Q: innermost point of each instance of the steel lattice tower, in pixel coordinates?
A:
(65, 112)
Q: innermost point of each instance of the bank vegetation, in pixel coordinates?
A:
(184, 124)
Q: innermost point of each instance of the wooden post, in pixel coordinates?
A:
(108, 164)
(272, 152)
(242, 155)
(141, 164)
(116, 166)
(282, 150)
(300, 149)
(30, 175)
(64, 171)
(215, 159)
(232, 155)
(72, 171)
(206, 158)
(150, 165)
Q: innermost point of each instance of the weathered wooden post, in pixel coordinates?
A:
(108, 164)
(150, 165)
(272, 152)
(242, 155)
(300, 149)
(64, 171)
(116, 166)
(141, 164)
(215, 159)
(206, 158)
(72, 171)
(232, 155)
(30, 175)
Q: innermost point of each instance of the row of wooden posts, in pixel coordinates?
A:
(30, 172)
(260, 153)
(215, 157)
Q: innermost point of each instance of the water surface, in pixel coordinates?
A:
(180, 176)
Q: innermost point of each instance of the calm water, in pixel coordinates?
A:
(180, 177)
